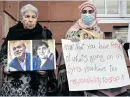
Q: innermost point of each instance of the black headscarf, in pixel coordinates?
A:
(18, 32)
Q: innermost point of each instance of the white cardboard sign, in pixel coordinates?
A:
(95, 64)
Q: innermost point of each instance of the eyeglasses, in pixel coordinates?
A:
(88, 11)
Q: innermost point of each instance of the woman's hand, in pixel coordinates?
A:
(41, 72)
(6, 70)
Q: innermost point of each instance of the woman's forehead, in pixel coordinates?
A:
(88, 8)
(30, 12)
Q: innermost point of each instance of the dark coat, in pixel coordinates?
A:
(18, 32)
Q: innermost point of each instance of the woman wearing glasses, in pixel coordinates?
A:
(85, 28)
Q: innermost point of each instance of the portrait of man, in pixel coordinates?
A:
(43, 59)
(21, 61)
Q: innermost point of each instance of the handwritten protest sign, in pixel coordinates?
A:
(128, 39)
(95, 64)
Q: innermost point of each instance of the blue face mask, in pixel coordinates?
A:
(87, 19)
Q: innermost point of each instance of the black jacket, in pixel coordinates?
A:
(18, 32)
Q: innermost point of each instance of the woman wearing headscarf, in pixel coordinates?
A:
(29, 83)
(85, 28)
(87, 24)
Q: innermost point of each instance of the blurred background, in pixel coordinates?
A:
(59, 15)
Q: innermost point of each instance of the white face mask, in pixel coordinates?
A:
(87, 19)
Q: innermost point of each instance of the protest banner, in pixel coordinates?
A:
(95, 64)
(128, 38)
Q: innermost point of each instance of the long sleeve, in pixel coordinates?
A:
(3, 51)
(8, 37)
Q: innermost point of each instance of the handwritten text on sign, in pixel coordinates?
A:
(95, 64)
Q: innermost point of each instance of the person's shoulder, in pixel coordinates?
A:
(12, 63)
(28, 54)
(15, 26)
(73, 29)
(35, 58)
(48, 32)
(51, 56)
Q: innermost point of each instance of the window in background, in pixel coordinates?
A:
(100, 5)
(108, 35)
(128, 6)
(120, 33)
(107, 8)
(112, 6)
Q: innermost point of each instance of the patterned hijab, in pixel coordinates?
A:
(94, 14)
(89, 31)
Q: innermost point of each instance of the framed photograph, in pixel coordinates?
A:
(44, 55)
(31, 55)
(19, 55)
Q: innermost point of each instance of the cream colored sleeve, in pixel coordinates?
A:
(72, 32)
(67, 35)
(102, 35)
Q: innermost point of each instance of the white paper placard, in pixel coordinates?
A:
(95, 64)
(128, 38)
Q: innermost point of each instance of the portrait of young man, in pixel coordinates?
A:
(43, 58)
